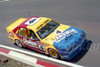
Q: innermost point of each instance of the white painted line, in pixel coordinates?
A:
(4, 0)
(21, 60)
(42, 56)
(22, 56)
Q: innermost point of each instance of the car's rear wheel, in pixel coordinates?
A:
(53, 53)
(18, 43)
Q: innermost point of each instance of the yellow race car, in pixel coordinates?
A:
(47, 36)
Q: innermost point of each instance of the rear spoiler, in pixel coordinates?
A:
(12, 26)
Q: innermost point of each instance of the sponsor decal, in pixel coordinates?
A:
(11, 34)
(41, 45)
(34, 44)
(30, 43)
(32, 21)
(42, 24)
(65, 34)
(58, 32)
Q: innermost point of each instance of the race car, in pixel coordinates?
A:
(47, 36)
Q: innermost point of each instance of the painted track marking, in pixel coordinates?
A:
(21, 59)
(42, 56)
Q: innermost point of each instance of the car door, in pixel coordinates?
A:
(22, 34)
(34, 41)
(30, 40)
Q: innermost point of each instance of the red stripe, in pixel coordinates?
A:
(23, 23)
(4, 50)
(47, 64)
(35, 49)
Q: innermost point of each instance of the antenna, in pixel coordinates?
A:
(29, 14)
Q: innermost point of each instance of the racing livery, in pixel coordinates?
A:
(47, 36)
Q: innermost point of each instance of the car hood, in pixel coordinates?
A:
(64, 36)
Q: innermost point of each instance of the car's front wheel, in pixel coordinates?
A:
(53, 53)
(18, 43)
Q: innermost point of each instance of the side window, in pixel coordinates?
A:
(22, 32)
(31, 34)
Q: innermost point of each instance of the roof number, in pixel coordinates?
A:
(32, 21)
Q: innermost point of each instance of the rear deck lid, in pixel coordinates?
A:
(15, 24)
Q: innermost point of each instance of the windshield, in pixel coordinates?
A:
(47, 29)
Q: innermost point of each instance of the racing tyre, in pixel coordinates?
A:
(53, 53)
(18, 43)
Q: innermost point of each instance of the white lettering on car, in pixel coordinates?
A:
(30, 43)
(64, 35)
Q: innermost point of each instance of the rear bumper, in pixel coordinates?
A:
(73, 52)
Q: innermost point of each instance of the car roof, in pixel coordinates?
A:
(33, 22)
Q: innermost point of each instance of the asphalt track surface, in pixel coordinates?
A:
(84, 14)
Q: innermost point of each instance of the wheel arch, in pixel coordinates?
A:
(55, 50)
(20, 41)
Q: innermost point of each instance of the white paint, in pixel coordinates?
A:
(4, 0)
(19, 58)
(32, 21)
(22, 56)
(43, 57)
(65, 34)
(30, 43)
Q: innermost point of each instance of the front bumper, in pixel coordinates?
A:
(72, 53)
